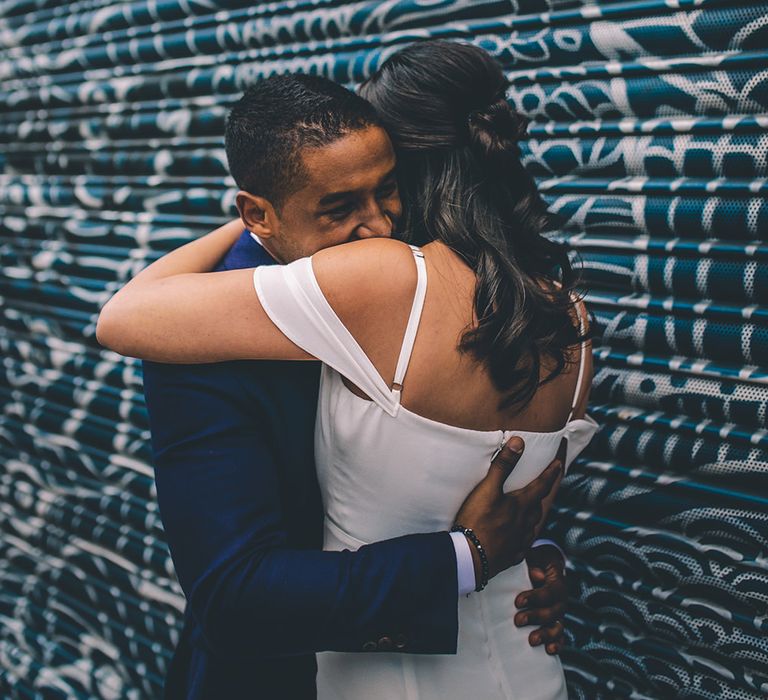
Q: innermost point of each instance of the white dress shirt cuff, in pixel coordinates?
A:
(540, 543)
(465, 566)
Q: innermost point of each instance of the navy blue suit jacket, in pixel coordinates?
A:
(238, 496)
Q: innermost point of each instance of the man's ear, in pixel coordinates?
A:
(257, 214)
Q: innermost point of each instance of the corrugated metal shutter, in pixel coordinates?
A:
(649, 138)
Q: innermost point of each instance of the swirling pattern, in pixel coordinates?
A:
(650, 143)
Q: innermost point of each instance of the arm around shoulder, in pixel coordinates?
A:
(250, 590)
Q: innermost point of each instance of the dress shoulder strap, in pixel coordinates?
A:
(580, 310)
(294, 301)
(412, 328)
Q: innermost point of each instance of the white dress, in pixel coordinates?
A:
(385, 472)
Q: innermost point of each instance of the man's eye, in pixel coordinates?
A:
(388, 188)
(339, 212)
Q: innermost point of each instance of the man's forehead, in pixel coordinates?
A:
(357, 160)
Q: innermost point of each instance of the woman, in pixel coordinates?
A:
(414, 342)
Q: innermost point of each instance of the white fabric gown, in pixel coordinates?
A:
(385, 472)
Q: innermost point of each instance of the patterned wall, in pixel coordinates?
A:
(650, 137)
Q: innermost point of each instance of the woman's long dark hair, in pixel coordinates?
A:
(462, 183)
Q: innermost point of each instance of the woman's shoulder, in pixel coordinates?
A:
(368, 254)
(355, 274)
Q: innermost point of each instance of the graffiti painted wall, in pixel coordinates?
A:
(649, 137)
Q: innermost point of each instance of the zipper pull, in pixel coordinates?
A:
(499, 448)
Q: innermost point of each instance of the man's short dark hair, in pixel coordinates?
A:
(279, 116)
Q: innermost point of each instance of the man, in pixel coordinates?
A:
(233, 446)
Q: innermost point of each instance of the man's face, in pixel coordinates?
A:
(350, 193)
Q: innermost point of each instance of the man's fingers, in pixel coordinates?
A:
(540, 597)
(552, 635)
(555, 572)
(537, 576)
(553, 632)
(505, 461)
(540, 616)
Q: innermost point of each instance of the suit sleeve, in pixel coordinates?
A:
(250, 593)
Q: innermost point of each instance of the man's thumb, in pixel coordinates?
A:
(505, 461)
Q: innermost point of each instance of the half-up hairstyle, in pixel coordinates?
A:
(462, 182)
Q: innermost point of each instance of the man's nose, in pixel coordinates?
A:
(378, 224)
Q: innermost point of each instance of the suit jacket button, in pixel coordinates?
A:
(400, 641)
(369, 646)
(385, 644)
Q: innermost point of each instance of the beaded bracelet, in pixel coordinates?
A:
(469, 533)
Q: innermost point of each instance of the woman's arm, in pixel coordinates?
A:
(172, 312)
(177, 311)
(200, 255)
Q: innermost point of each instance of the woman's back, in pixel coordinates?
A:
(466, 396)
(386, 469)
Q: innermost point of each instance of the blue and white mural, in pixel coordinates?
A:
(650, 142)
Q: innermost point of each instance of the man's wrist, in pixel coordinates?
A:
(482, 570)
(551, 543)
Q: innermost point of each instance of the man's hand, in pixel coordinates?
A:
(545, 604)
(505, 523)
